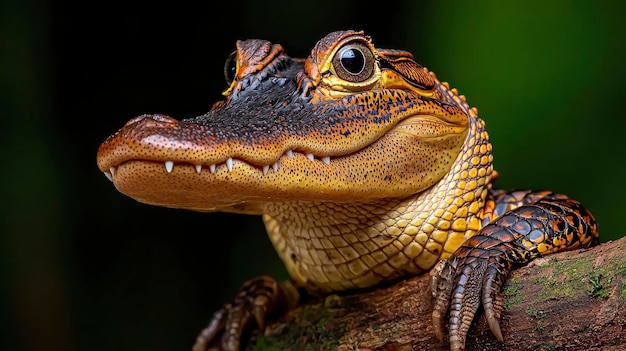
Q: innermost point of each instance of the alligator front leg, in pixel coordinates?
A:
(475, 273)
(257, 300)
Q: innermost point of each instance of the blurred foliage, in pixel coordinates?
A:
(547, 81)
(84, 267)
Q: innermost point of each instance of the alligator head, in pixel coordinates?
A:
(349, 123)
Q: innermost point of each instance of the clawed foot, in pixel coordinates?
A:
(257, 300)
(473, 275)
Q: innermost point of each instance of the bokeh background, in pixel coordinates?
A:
(83, 267)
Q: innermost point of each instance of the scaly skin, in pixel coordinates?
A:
(365, 168)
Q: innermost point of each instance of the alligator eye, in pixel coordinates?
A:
(354, 62)
(230, 67)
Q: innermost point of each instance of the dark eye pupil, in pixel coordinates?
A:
(352, 60)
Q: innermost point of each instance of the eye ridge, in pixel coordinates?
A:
(354, 62)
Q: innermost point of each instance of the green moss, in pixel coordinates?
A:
(512, 293)
(621, 290)
(621, 268)
(601, 279)
(297, 335)
(535, 313)
(569, 279)
(530, 310)
(566, 279)
(539, 315)
(600, 285)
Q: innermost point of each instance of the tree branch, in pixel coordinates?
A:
(567, 301)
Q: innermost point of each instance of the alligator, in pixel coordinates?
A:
(365, 168)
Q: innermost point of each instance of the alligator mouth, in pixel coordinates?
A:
(228, 164)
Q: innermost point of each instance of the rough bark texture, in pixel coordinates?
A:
(568, 301)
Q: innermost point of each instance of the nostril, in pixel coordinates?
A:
(156, 118)
(136, 119)
(164, 118)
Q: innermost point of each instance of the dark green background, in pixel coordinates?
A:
(83, 267)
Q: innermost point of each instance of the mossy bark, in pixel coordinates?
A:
(567, 301)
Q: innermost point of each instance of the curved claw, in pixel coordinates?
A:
(470, 277)
(209, 333)
(465, 301)
(256, 300)
(441, 287)
(493, 302)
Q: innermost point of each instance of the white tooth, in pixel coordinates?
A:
(229, 164)
(266, 168)
(198, 168)
(275, 166)
(310, 156)
(169, 165)
(326, 159)
(289, 153)
(112, 170)
(212, 168)
(108, 175)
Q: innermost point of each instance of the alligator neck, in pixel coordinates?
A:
(335, 246)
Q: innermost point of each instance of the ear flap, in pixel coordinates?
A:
(402, 62)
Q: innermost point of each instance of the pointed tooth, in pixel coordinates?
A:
(326, 159)
(169, 166)
(275, 166)
(266, 168)
(112, 170)
(212, 168)
(198, 168)
(108, 175)
(229, 164)
(289, 153)
(310, 157)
